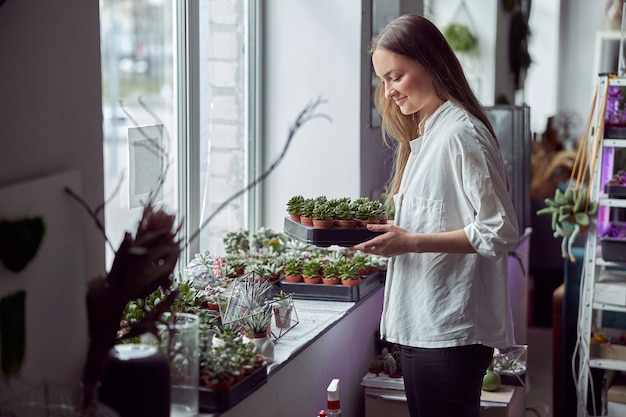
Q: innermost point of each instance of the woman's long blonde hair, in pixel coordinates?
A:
(419, 39)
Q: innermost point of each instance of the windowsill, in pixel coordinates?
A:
(316, 318)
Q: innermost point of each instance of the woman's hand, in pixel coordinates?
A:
(398, 241)
(394, 241)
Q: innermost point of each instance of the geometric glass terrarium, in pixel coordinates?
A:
(252, 295)
(247, 297)
(511, 361)
(285, 316)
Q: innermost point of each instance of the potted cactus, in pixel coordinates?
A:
(293, 270)
(368, 212)
(323, 215)
(349, 274)
(294, 207)
(345, 215)
(282, 306)
(312, 272)
(331, 273)
(306, 213)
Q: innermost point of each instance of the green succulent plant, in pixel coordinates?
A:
(307, 207)
(293, 267)
(345, 211)
(571, 211)
(294, 205)
(312, 268)
(323, 211)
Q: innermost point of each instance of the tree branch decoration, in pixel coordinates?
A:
(307, 114)
(144, 263)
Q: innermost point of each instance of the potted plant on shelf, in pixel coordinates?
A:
(359, 259)
(331, 274)
(236, 264)
(349, 274)
(256, 330)
(294, 207)
(293, 270)
(570, 212)
(215, 371)
(236, 242)
(345, 215)
(312, 271)
(282, 306)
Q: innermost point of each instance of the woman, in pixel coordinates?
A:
(446, 296)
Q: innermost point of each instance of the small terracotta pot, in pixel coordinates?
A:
(351, 282)
(312, 280)
(364, 223)
(293, 278)
(331, 281)
(306, 221)
(323, 224)
(221, 385)
(346, 224)
(295, 217)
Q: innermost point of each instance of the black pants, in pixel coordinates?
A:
(445, 381)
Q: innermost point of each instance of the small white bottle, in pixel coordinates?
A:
(333, 405)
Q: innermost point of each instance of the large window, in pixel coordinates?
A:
(176, 104)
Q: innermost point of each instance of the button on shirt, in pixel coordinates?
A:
(454, 179)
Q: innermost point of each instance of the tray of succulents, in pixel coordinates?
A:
(327, 237)
(339, 292)
(212, 401)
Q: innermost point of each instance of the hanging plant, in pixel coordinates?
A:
(460, 38)
(572, 209)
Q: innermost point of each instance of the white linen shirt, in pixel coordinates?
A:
(454, 179)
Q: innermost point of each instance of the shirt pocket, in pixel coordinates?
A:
(422, 215)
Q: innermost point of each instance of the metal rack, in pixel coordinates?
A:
(601, 156)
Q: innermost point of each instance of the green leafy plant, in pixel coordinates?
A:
(460, 38)
(258, 321)
(293, 267)
(236, 241)
(323, 211)
(294, 205)
(570, 211)
(307, 207)
(282, 299)
(345, 210)
(331, 270)
(312, 268)
(348, 271)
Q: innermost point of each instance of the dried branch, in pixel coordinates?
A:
(307, 114)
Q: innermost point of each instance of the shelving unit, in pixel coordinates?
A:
(590, 312)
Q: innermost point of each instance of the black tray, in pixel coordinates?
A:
(616, 191)
(327, 237)
(615, 132)
(212, 401)
(614, 247)
(334, 292)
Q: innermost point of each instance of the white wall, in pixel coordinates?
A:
(540, 92)
(481, 18)
(580, 20)
(313, 48)
(51, 122)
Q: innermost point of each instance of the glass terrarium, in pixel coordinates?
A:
(511, 361)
